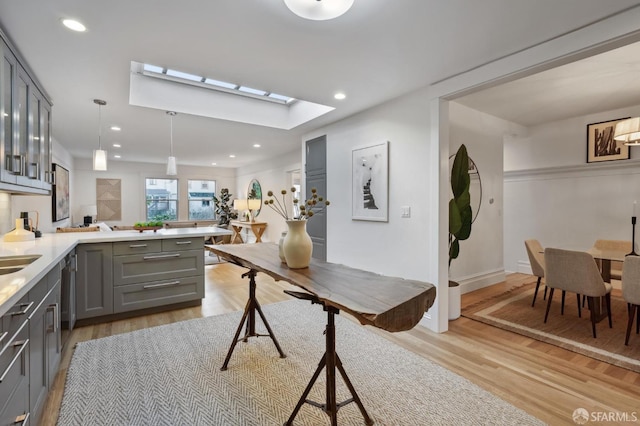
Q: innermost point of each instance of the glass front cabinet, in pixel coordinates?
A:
(25, 135)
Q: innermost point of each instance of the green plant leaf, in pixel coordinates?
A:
(455, 219)
(460, 172)
(454, 250)
(466, 217)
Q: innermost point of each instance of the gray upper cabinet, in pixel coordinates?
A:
(25, 122)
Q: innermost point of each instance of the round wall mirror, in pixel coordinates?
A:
(254, 192)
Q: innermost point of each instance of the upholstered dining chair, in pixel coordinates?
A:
(576, 272)
(536, 259)
(631, 291)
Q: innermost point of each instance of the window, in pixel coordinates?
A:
(162, 199)
(201, 199)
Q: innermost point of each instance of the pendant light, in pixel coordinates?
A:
(99, 155)
(319, 10)
(172, 169)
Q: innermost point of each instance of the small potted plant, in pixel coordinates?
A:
(223, 208)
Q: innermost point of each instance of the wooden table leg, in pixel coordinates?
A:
(236, 238)
(258, 230)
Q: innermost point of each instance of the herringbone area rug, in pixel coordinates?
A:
(170, 375)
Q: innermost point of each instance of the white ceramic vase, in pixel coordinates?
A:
(297, 246)
(280, 244)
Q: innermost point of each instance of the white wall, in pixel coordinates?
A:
(132, 175)
(397, 247)
(272, 175)
(481, 256)
(553, 195)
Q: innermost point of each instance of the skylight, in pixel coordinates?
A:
(237, 89)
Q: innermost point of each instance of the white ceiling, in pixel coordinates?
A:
(378, 50)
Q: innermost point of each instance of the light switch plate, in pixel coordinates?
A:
(405, 211)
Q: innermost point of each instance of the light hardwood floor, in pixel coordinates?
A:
(546, 381)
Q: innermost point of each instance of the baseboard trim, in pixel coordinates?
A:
(524, 267)
(478, 281)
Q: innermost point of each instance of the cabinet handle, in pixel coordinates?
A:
(137, 245)
(169, 284)
(5, 334)
(161, 256)
(74, 263)
(53, 308)
(10, 162)
(24, 311)
(37, 174)
(180, 243)
(23, 419)
(23, 345)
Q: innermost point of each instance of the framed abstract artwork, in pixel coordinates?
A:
(60, 193)
(600, 143)
(370, 182)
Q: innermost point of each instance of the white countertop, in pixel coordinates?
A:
(52, 248)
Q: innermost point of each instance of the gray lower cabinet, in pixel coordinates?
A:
(45, 346)
(14, 364)
(94, 280)
(157, 272)
(131, 275)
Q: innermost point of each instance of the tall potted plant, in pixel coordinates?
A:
(460, 219)
(223, 208)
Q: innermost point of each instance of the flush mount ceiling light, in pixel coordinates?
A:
(319, 10)
(628, 131)
(99, 155)
(74, 25)
(172, 169)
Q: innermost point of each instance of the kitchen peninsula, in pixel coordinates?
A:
(52, 248)
(119, 272)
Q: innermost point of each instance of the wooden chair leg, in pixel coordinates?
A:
(579, 309)
(535, 293)
(546, 315)
(564, 293)
(607, 300)
(590, 303)
(632, 314)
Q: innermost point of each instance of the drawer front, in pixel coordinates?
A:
(135, 247)
(157, 266)
(157, 293)
(15, 318)
(174, 244)
(16, 410)
(14, 365)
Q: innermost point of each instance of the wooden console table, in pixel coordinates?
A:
(392, 304)
(256, 227)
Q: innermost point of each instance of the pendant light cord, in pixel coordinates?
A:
(171, 121)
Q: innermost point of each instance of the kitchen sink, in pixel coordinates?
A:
(10, 264)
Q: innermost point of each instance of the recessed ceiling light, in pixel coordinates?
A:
(116, 156)
(214, 164)
(116, 145)
(340, 96)
(232, 156)
(115, 128)
(74, 25)
(256, 145)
